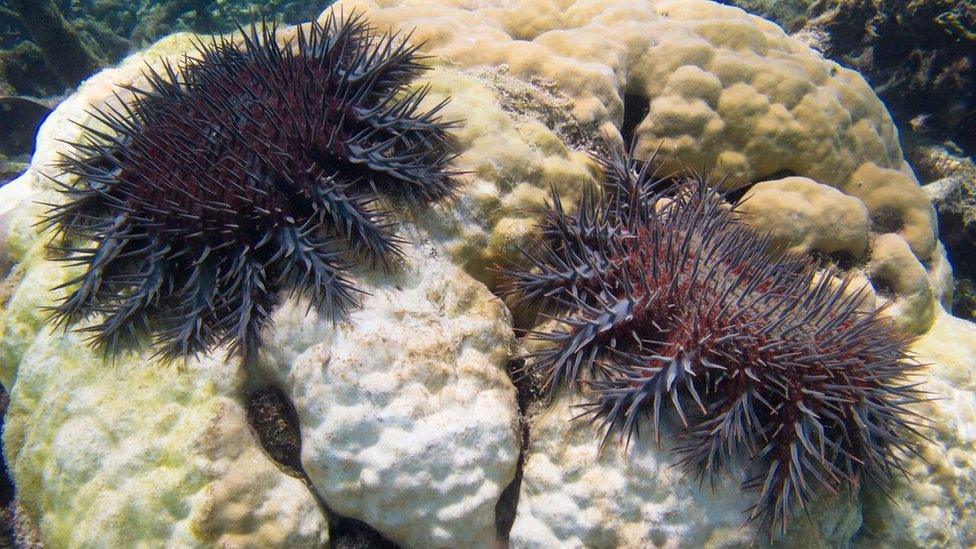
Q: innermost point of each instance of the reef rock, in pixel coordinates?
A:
(954, 198)
(918, 54)
(787, 13)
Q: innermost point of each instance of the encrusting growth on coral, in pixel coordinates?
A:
(249, 172)
(659, 295)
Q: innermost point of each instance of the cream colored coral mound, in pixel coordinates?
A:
(408, 421)
(121, 454)
(805, 217)
(719, 91)
(126, 456)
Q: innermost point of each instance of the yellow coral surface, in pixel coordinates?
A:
(718, 91)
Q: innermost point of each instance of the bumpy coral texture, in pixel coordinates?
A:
(727, 93)
(936, 505)
(129, 443)
(95, 450)
(409, 421)
(805, 217)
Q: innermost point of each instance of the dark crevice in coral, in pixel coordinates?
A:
(275, 423)
(6, 484)
(636, 108)
(887, 221)
(883, 288)
(778, 174)
(842, 259)
(735, 195)
(508, 501)
(347, 533)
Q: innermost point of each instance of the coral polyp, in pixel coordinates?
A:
(660, 299)
(251, 171)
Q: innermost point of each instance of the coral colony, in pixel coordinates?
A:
(260, 170)
(658, 295)
(250, 171)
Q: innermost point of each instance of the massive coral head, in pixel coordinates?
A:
(253, 170)
(661, 300)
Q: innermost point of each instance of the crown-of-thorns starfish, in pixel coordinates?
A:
(252, 171)
(659, 300)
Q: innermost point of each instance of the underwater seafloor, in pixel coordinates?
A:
(527, 273)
